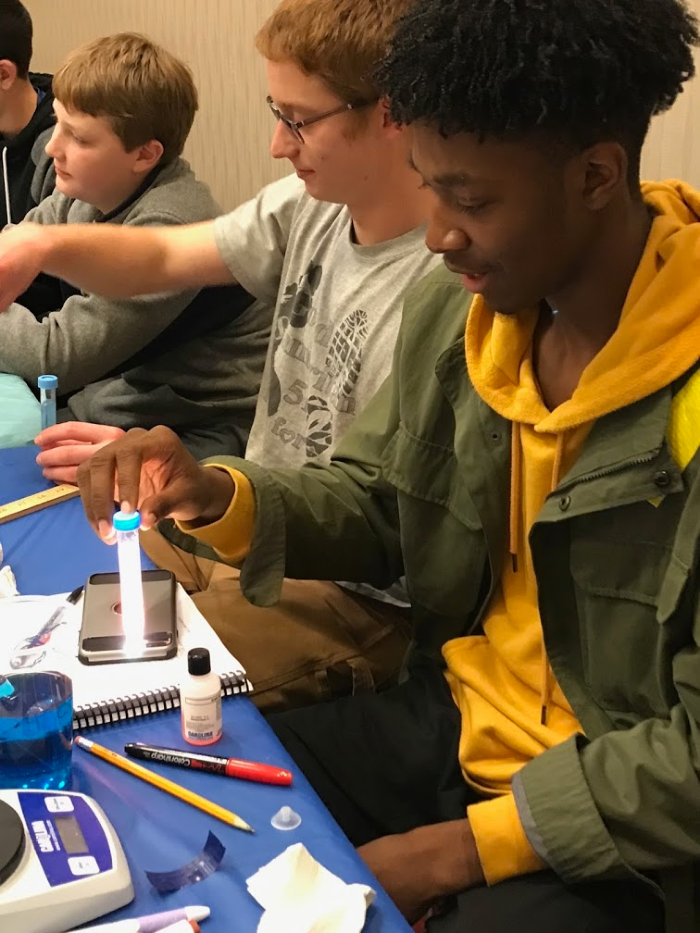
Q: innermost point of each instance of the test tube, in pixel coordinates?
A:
(126, 525)
(47, 389)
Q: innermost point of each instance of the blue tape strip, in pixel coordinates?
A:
(201, 866)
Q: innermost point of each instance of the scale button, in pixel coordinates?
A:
(83, 865)
(59, 804)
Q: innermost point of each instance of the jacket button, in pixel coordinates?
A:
(564, 503)
(495, 437)
(662, 479)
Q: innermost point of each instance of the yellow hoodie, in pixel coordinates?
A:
(512, 707)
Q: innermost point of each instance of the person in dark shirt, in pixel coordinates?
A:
(26, 118)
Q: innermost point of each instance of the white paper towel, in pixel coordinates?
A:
(299, 895)
(8, 584)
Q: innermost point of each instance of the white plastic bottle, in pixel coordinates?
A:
(200, 700)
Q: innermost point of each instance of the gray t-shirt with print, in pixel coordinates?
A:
(337, 314)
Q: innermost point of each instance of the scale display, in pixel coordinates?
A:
(61, 863)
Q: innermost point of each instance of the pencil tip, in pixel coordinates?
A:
(238, 823)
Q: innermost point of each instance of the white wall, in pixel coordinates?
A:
(228, 146)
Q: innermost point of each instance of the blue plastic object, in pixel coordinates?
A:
(36, 734)
(126, 521)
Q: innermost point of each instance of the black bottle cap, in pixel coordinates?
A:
(198, 661)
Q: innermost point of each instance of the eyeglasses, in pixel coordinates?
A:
(295, 126)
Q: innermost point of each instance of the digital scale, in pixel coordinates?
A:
(61, 863)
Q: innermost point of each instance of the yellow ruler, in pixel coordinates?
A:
(38, 500)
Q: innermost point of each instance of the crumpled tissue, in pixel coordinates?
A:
(299, 895)
(8, 584)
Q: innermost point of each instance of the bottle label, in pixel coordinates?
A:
(201, 718)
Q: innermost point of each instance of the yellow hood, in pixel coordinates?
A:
(656, 342)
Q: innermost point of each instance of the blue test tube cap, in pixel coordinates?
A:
(48, 382)
(126, 521)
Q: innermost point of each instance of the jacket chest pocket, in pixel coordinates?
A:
(442, 539)
(624, 585)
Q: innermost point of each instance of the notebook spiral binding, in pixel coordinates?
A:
(136, 705)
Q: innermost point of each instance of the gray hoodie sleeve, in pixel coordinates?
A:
(88, 336)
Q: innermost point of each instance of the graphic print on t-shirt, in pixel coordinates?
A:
(295, 309)
(298, 332)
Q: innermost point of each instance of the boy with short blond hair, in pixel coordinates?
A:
(142, 89)
(124, 108)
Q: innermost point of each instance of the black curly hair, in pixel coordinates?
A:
(581, 71)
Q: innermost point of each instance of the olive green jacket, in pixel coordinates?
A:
(420, 486)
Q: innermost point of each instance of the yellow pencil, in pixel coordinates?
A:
(170, 787)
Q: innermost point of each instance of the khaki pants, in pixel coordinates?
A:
(318, 642)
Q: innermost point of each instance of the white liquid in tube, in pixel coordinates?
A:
(126, 526)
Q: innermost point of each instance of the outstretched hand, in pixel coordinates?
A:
(151, 471)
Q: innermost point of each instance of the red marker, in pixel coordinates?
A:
(231, 767)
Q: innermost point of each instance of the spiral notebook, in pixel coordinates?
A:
(109, 693)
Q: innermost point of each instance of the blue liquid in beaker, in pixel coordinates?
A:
(36, 734)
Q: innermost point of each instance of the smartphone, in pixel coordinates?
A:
(102, 638)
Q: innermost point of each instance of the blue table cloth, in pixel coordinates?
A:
(54, 550)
